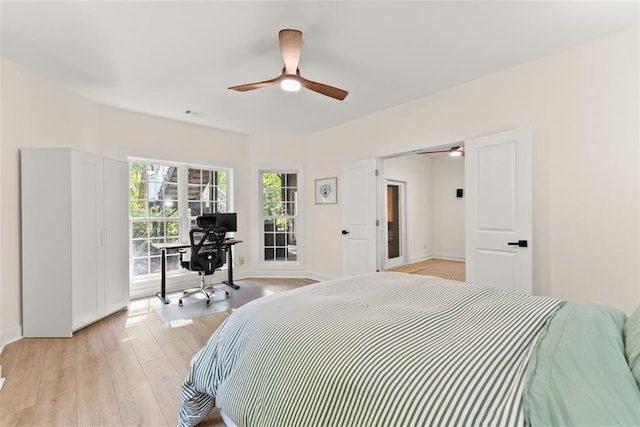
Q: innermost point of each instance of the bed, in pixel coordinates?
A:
(394, 349)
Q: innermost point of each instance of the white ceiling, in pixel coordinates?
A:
(162, 58)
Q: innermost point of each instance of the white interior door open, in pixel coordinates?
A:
(358, 209)
(499, 210)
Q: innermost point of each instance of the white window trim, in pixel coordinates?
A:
(281, 265)
(139, 286)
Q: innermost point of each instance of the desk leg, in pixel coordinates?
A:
(163, 279)
(230, 271)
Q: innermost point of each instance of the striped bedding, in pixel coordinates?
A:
(383, 349)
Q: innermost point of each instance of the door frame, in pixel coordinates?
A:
(402, 201)
(430, 144)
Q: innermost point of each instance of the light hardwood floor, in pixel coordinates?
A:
(435, 267)
(126, 370)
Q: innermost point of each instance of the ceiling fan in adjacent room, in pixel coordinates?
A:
(290, 79)
(453, 151)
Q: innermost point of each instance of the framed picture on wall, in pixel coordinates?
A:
(327, 191)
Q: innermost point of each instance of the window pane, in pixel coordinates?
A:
(172, 228)
(140, 229)
(152, 250)
(138, 209)
(280, 239)
(140, 248)
(268, 239)
(170, 192)
(171, 209)
(156, 229)
(155, 209)
(195, 209)
(280, 254)
(156, 265)
(173, 262)
(269, 225)
(207, 207)
(195, 176)
(268, 254)
(291, 180)
(194, 192)
(292, 254)
(140, 267)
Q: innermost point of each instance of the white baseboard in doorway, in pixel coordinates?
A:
(449, 257)
(419, 258)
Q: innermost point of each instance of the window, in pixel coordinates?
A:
(165, 200)
(279, 216)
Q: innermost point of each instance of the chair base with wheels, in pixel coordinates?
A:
(207, 290)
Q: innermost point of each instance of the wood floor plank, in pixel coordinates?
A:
(89, 339)
(160, 330)
(22, 417)
(144, 343)
(179, 354)
(26, 373)
(57, 401)
(139, 407)
(8, 355)
(125, 368)
(166, 384)
(97, 404)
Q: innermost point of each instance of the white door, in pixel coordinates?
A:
(115, 235)
(498, 210)
(394, 223)
(358, 200)
(87, 217)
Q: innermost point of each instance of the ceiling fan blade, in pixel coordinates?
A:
(323, 89)
(290, 47)
(257, 85)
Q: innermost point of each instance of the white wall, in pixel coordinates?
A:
(583, 107)
(37, 113)
(416, 172)
(447, 210)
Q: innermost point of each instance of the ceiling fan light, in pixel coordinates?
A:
(290, 84)
(455, 153)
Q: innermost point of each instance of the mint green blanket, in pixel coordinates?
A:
(578, 374)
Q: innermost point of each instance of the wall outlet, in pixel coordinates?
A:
(241, 259)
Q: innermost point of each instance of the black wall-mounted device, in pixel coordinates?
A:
(459, 192)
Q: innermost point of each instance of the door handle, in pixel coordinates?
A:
(345, 232)
(519, 243)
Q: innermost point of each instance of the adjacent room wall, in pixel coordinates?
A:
(38, 113)
(582, 105)
(447, 210)
(415, 170)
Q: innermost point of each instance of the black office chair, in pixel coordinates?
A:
(207, 256)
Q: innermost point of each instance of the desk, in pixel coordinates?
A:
(164, 247)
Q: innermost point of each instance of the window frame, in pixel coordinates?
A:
(281, 265)
(139, 284)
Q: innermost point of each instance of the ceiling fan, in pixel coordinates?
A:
(290, 79)
(453, 151)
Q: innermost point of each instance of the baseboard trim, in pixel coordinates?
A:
(10, 336)
(301, 274)
(449, 257)
(419, 258)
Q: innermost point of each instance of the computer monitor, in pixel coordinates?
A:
(227, 220)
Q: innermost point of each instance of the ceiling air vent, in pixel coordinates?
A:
(195, 113)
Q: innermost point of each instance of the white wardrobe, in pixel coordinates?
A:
(75, 228)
